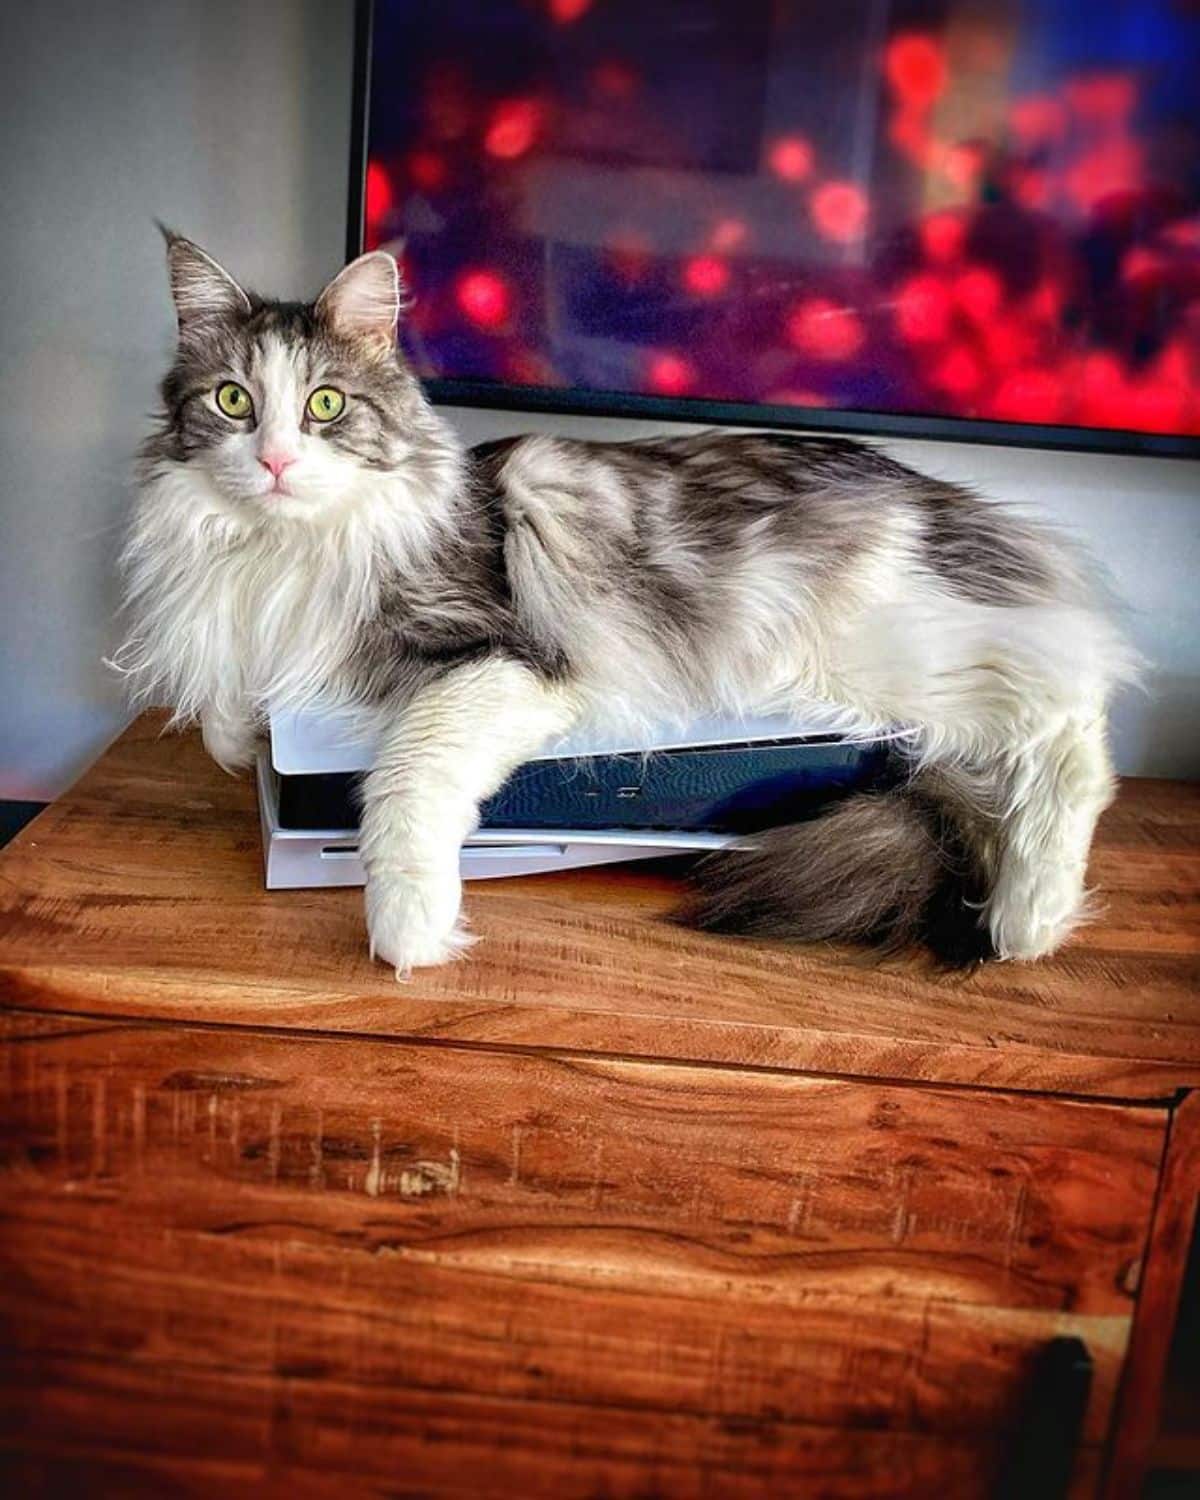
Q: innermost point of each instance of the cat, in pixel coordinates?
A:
(307, 529)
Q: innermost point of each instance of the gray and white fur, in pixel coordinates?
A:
(472, 606)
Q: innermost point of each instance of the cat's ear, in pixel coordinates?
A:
(365, 300)
(200, 287)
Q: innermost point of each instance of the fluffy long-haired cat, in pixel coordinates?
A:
(308, 528)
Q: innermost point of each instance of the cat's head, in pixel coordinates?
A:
(286, 409)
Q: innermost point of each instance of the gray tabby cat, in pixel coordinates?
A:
(308, 528)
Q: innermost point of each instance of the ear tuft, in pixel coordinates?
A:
(365, 299)
(200, 287)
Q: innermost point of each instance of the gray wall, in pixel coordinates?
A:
(231, 121)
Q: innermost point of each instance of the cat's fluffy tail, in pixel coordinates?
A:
(888, 868)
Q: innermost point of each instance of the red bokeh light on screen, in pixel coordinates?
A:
(1014, 256)
(1008, 341)
(427, 170)
(839, 210)
(1115, 166)
(1154, 405)
(1186, 234)
(1037, 120)
(728, 234)
(1045, 302)
(959, 373)
(485, 298)
(1142, 264)
(924, 309)
(630, 255)
(1031, 395)
(1032, 189)
(909, 132)
(670, 374)
(942, 237)
(379, 195)
(614, 78)
(1173, 364)
(791, 158)
(979, 292)
(790, 397)
(1104, 391)
(825, 329)
(962, 165)
(915, 65)
(706, 275)
(566, 11)
(513, 128)
(1102, 97)
(527, 367)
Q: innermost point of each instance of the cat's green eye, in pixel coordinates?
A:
(325, 403)
(234, 400)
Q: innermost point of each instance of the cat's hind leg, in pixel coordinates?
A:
(1055, 789)
(1000, 721)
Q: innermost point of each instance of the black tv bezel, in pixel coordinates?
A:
(575, 401)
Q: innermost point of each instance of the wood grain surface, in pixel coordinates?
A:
(212, 1426)
(139, 894)
(285, 1264)
(1142, 1386)
(610, 1209)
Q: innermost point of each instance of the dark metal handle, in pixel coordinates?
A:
(1042, 1455)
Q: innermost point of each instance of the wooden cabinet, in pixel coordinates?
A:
(610, 1209)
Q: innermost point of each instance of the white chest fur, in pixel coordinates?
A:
(228, 615)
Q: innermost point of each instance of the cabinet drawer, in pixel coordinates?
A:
(307, 1263)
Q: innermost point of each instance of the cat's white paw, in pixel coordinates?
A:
(230, 742)
(413, 921)
(1031, 918)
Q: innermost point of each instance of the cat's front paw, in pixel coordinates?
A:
(413, 921)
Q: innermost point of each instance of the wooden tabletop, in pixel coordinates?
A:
(139, 894)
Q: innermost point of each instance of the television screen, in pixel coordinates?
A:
(956, 217)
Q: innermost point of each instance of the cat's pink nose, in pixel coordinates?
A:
(277, 462)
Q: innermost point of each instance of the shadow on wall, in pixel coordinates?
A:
(1164, 712)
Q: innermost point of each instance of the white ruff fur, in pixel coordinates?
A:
(237, 611)
(242, 600)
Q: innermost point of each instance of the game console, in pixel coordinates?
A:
(590, 799)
